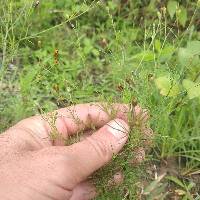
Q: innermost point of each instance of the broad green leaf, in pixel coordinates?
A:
(167, 86)
(145, 56)
(171, 8)
(182, 16)
(193, 89)
(194, 47)
(184, 56)
(166, 53)
(189, 55)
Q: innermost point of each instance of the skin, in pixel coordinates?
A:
(35, 167)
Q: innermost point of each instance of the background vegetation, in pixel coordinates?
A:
(56, 53)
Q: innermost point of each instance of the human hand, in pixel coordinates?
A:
(35, 166)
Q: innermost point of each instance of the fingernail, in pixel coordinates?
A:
(118, 128)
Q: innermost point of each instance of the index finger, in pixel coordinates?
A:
(73, 119)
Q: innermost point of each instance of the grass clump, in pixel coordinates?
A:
(54, 54)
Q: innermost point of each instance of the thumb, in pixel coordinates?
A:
(95, 151)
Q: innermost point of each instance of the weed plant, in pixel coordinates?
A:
(58, 53)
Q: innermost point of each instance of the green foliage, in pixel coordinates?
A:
(182, 15)
(155, 189)
(172, 7)
(192, 88)
(185, 191)
(107, 51)
(167, 86)
(189, 58)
